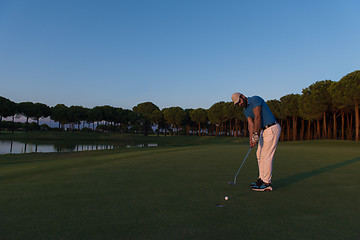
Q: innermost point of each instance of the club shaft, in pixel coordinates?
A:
(241, 165)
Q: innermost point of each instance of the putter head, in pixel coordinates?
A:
(232, 183)
(219, 205)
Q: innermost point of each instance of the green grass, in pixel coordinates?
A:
(171, 193)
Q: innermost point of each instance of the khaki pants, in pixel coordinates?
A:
(266, 149)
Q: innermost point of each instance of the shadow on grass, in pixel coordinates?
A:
(284, 182)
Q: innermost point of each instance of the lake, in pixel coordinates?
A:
(16, 147)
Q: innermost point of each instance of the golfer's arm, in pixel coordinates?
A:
(257, 120)
(250, 126)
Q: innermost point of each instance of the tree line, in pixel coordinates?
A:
(325, 110)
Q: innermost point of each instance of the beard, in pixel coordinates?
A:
(245, 102)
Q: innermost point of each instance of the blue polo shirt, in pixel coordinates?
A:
(266, 115)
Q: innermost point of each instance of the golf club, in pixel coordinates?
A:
(234, 182)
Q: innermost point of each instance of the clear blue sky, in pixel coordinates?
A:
(187, 53)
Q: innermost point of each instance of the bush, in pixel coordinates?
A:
(86, 129)
(45, 127)
(33, 126)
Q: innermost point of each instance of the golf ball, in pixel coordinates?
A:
(226, 198)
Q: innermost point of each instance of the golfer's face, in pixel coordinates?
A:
(241, 102)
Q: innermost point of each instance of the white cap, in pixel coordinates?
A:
(235, 97)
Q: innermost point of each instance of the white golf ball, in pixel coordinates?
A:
(226, 198)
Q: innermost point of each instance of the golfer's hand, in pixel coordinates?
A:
(252, 144)
(255, 137)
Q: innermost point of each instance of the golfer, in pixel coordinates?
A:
(264, 132)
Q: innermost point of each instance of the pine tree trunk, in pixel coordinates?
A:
(348, 127)
(318, 130)
(13, 124)
(324, 127)
(239, 128)
(302, 129)
(308, 134)
(288, 129)
(236, 129)
(351, 127)
(357, 124)
(233, 129)
(282, 135)
(27, 124)
(335, 128)
(294, 128)
(342, 126)
(329, 131)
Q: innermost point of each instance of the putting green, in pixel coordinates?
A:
(172, 192)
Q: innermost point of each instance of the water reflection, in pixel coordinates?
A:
(15, 147)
